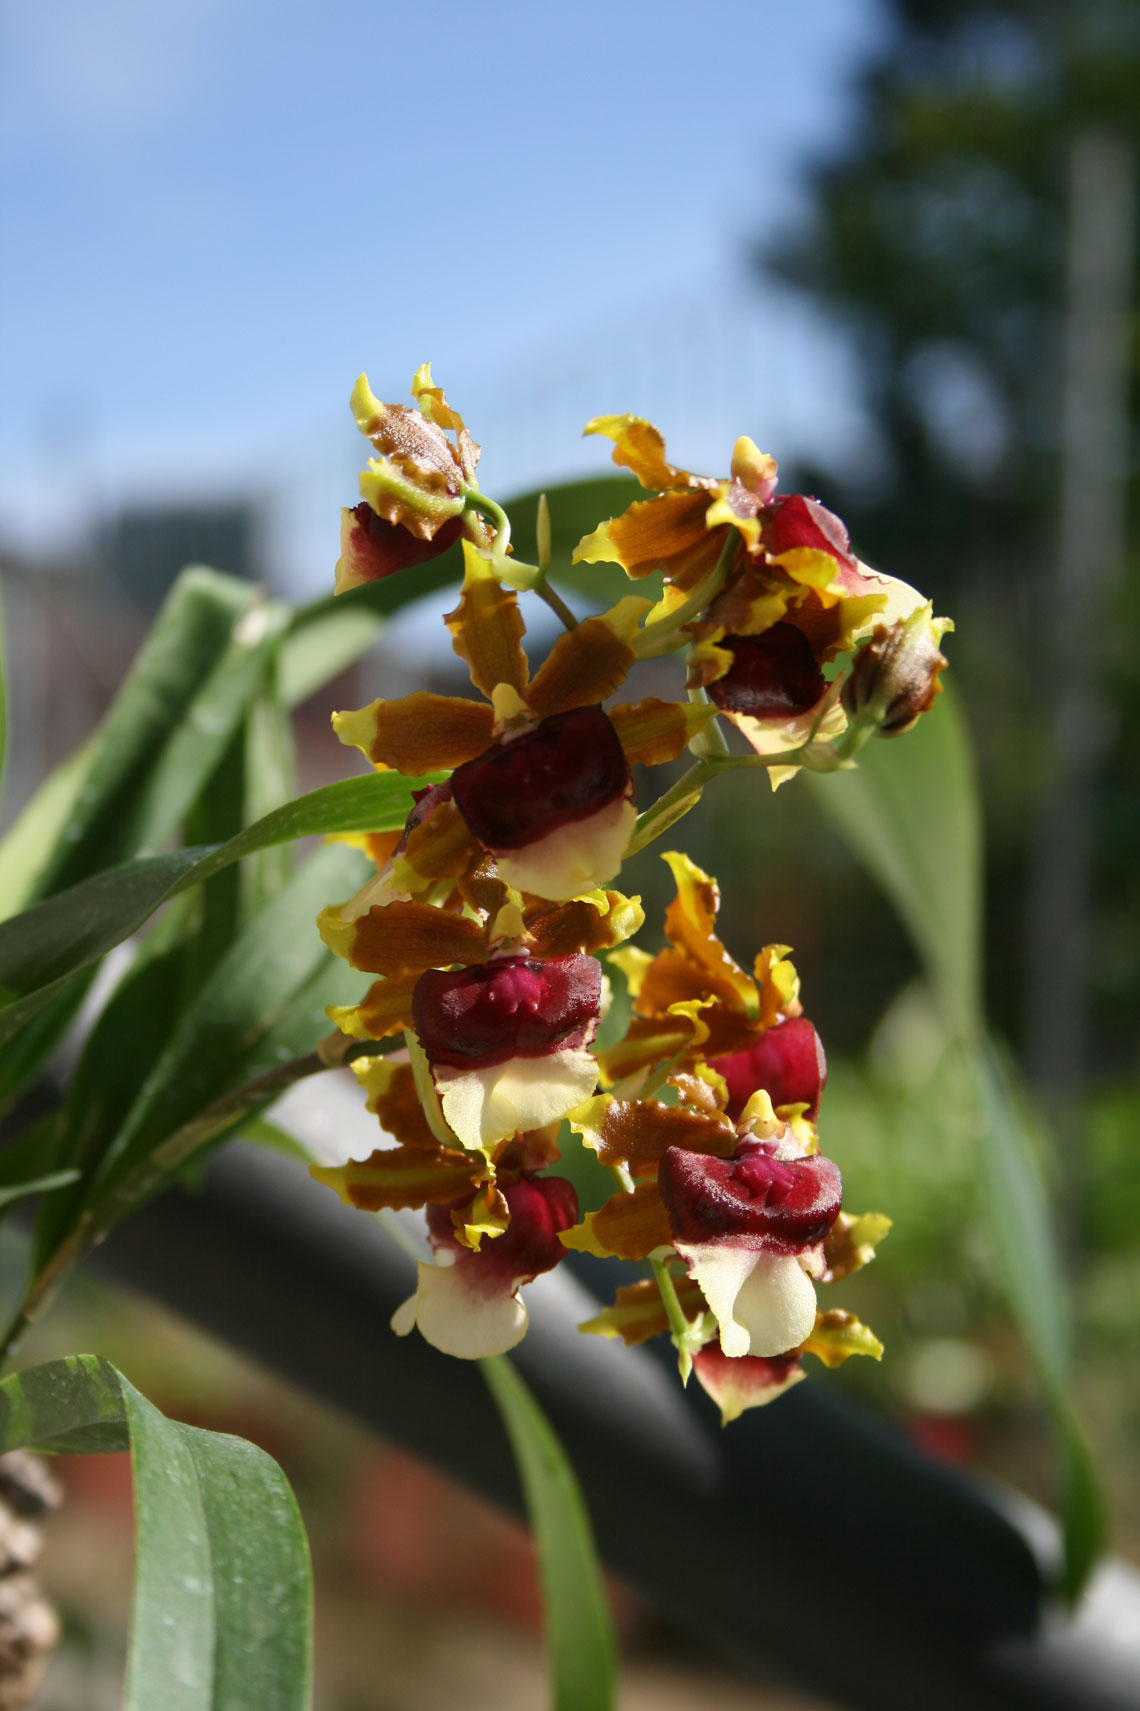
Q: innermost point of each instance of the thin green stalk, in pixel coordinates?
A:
(684, 1333)
(686, 793)
(660, 637)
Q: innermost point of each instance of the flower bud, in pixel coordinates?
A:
(509, 1008)
(895, 677)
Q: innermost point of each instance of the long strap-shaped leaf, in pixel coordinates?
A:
(222, 1617)
(910, 813)
(45, 945)
(579, 1633)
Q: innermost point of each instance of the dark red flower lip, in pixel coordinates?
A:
(473, 1018)
(565, 769)
(772, 676)
(379, 548)
(783, 1206)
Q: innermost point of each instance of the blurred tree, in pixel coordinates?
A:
(975, 239)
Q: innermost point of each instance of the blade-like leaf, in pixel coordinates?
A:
(3, 698)
(31, 841)
(191, 634)
(580, 1638)
(222, 1615)
(910, 812)
(41, 948)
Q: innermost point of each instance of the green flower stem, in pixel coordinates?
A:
(686, 793)
(660, 637)
(710, 742)
(493, 513)
(556, 603)
(685, 1334)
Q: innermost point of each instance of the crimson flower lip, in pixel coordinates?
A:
(783, 1206)
(565, 769)
(511, 1007)
(539, 1208)
(772, 676)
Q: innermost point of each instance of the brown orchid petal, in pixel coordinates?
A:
(690, 923)
(440, 847)
(586, 664)
(637, 1132)
(402, 1177)
(638, 1311)
(630, 1226)
(654, 534)
(480, 886)
(558, 929)
(392, 1097)
(436, 409)
(385, 1009)
(652, 732)
(640, 448)
(399, 431)
(420, 733)
(487, 628)
(702, 1088)
(397, 937)
(535, 1150)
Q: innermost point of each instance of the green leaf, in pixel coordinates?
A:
(580, 1638)
(261, 1005)
(41, 948)
(911, 814)
(1030, 1267)
(192, 633)
(33, 838)
(222, 1615)
(3, 698)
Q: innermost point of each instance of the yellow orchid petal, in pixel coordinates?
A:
(401, 937)
(586, 664)
(652, 732)
(690, 923)
(837, 1335)
(392, 1097)
(486, 1106)
(851, 1242)
(563, 929)
(487, 627)
(400, 1177)
(640, 447)
(629, 1226)
(654, 534)
(638, 1311)
(385, 1009)
(419, 733)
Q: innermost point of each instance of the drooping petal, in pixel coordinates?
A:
(763, 1302)
(487, 627)
(787, 1061)
(586, 664)
(751, 1381)
(486, 1106)
(419, 733)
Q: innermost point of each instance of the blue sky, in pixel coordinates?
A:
(219, 211)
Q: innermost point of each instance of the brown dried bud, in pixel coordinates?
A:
(895, 675)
